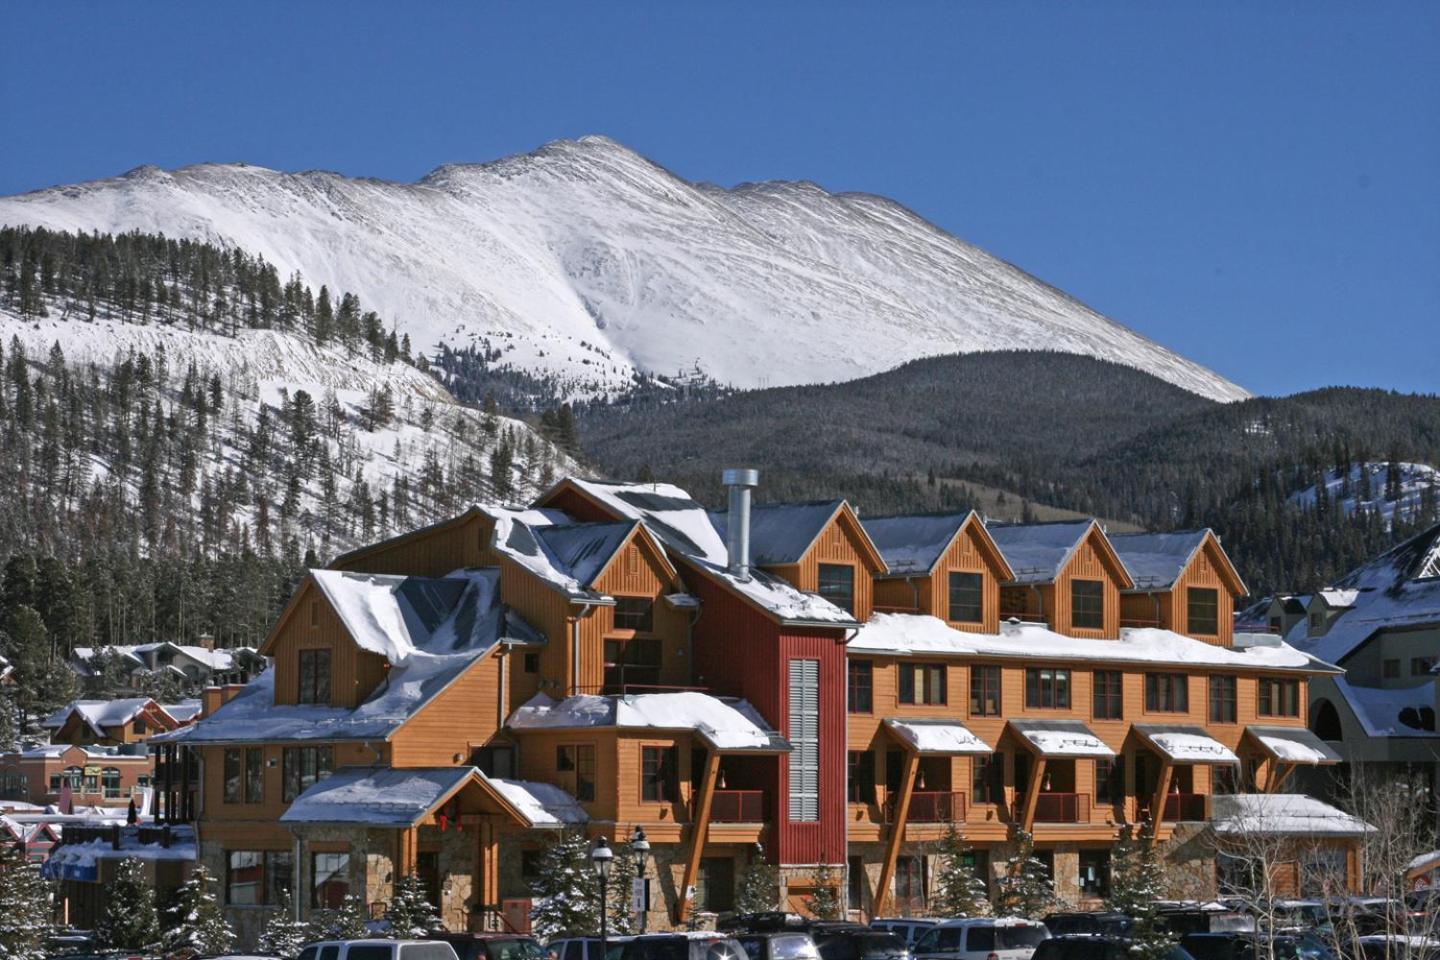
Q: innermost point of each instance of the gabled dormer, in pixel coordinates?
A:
(460, 542)
(1184, 581)
(1066, 574)
(941, 565)
(819, 547)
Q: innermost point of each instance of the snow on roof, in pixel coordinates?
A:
(1282, 814)
(1061, 738)
(1293, 745)
(1037, 551)
(184, 711)
(779, 597)
(913, 544)
(670, 513)
(523, 537)
(543, 804)
(1337, 598)
(938, 737)
(1156, 560)
(1379, 709)
(378, 796)
(1185, 744)
(54, 751)
(726, 724)
(392, 615)
(1424, 863)
(98, 714)
(1396, 590)
(583, 549)
(780, 533)
(216, 660)
(907, 634)
(80, 861)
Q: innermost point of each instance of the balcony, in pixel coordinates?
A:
(931, 806)
(1185, 807)
(737, 806)
(1062, 808)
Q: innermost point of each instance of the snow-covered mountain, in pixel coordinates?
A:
(585, 260)
(1364, 487)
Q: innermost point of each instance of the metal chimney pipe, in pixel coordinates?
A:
(737, 524)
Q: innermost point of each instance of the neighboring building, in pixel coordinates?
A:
(95, 776)
(617, 657)
(1381, 623)
(190, 663)
(116, 722)
(85, 862)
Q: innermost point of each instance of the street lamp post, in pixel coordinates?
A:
(640, 850)
(600, 858)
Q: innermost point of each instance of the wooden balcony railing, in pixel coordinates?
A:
(1062, 808)
(1138, 622)
(1185, 806)
(911, 608)
(737, 806)
(931, 806)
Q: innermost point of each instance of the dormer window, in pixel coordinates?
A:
(967, 598)
(837, 584)
(634, 613)
(1202, 610)
(1087, 604)
(314, 677)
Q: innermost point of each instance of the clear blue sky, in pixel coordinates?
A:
(1254, 185)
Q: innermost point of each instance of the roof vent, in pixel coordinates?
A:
(737, 525)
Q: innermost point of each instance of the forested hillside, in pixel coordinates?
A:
(1051, 429)
(181, 431)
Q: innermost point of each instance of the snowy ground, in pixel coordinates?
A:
(1415, 479)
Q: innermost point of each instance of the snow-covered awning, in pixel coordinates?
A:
(1181, 744)
(543, 804)
(939, 737)
(726, 724)
(391, 797)
(1281, 814)
(1293, 745)
(1060, 738)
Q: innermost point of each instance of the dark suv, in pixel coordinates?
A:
(683, 946)
(1108, 924)
(1239, 946)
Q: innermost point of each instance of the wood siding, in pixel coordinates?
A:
(842, 541)
(930, 594)
(1090, 561)
(465, 715)
(313, 624)
(212, 758)
(463, 541)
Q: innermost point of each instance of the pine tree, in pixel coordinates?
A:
(130, 921)
(620, 887)
(411, 914)
(825, 895)
(1136, 883)
(759, 884)
(24, 906)
(1023, 889)
(566, 891)
(958, 891)
(346, 922)
(284, 935)
(194, 922)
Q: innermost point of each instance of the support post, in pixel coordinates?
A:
(897, 831)
(1273, 783)
(699, 830)
(1157, 807)
(1032, 795)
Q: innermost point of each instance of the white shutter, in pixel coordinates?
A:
(805, 740)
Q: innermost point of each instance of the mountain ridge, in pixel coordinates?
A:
(586, 260)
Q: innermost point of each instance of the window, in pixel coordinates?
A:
(233, 776)
(329, 880)
(254, 775)
(910, 883)
(92, 783)
(804, 734)
(984, 691)
(715, 884)
(1109, 701)
(922, 683)
(659, 781)
(861, 776)
(1095, 873)
(256, 877)
(304, 767)
(837, 584)
(1279, 697)
(1047, 688)
(1108, 788)
(1421, 666)
(859, 698)
(1390, 669)
(855, 888)
(634, 613)
(634, 662)
(967, 597)
(110, 782)
(532, 663)
(1167, 693)
(575, 762)
(495, 760)
(987, 779)
(1222, 700)
(1202, 610)
(74, 776)
(1087, 604)
(1317, 622)
(139, 726)
(314, 677)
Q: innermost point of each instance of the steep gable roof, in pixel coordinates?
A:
(672, 515)
(783, 533)
(1038, 552)
(915, 544)
(1156, 560)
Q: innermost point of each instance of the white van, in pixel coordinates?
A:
(377, 950)
(982, 938)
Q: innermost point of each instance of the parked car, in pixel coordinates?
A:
(983, 938)
(1099, 924)
(1090, 946)
(1182, 919)
(1236, 945)
(585, 948)
(378, 950)
(909, 929)
(683, 946)
(1395, 947)
(492, 946)
(777, 945)
(861, 944)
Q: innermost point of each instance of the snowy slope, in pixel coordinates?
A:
(585, 260)
(1415, 480)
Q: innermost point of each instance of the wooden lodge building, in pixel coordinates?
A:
(838, 690)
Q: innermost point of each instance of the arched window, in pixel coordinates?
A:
(1325, 721)
(75, 776)
(110, 782)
